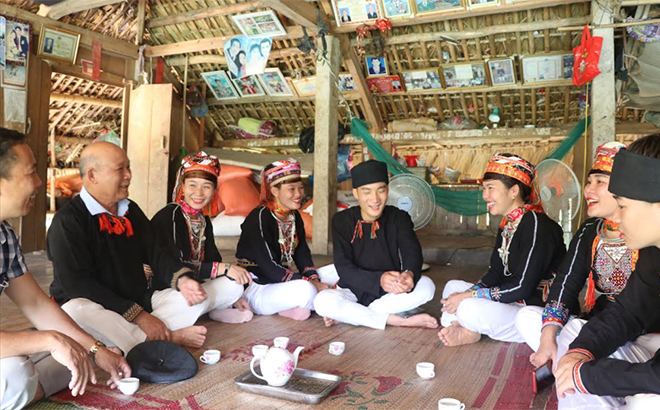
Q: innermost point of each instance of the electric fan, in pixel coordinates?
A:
(412, 194)
(560, 192)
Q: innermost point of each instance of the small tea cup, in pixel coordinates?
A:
(426, 370)
(450, 404)
(281, 342)
(210, 357)
(337, 348)
(128, 385)
(259, 350)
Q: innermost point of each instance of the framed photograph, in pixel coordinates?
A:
(384, 85)
(437, 6)
(3, 44)
(354, 12)
(58, 44)
(17, 41)
(220, 85)
(547, 68)
(375, 66)
(422, 80)
(274, 83)
(465, 75)
(473, 4)
(502, 72)
(393, 9)
(346, 83)
(305, 87)
(249, 86)
(87, 66)
(14, 75)
(259, 24)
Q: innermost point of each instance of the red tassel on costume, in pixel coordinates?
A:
(590, 299)
(116, 225)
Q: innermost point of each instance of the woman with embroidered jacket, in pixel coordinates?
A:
(272, 240)
(185, 229)
(603, 362)
(528, 249)
(597, 255)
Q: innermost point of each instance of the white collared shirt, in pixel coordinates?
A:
(95, 208)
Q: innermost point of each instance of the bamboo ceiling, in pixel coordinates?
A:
(477, 36)
(76, 122)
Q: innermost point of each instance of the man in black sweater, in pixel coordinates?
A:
(378, 259)
(614, 362)
(110, 273)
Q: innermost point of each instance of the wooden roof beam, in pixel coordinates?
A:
(67, 7)
(204, 13)
(206, 44)
(110, 44)
(481, 11)
(79, 99)
(212, 102)
(302, 13)
(218, 59)
(483, 32)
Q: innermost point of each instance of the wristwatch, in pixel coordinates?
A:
(92, 350)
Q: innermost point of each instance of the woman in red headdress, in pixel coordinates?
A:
(528, 249)
(273, 240)
(597, 256)
(185, 228)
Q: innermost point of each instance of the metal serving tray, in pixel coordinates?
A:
(305, 386)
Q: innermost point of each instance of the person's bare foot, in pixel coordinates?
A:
(231, 315)
(296, 313)
(328, 322)
(457, 335)
(192, 336)
(421, 320)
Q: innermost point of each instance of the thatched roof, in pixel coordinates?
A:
(511, 30)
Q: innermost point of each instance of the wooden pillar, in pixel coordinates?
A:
(603, 100)
(325, 147)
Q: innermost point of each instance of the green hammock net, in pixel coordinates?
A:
(468, 203)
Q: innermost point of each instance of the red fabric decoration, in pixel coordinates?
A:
(587, 55)
(97, 50)
(116, 225)
(160, 68)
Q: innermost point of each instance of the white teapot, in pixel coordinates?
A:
(277, 365)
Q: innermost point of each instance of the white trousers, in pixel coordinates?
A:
(342, 305)
(168, 305)
(639, 351)
(528, 324)
(493, 319)
(273, 298)
(20, 376)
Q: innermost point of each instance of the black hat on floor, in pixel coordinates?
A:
(160, 361)
(369, 172)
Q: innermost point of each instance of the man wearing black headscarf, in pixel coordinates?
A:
(378, 259)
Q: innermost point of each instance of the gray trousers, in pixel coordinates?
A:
(20, 376)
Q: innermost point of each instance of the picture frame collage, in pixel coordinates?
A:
(356, 12)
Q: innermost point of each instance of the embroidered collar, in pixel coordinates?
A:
(187, 209)
(95, 208)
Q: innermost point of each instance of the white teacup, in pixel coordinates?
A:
(426, 370)
(450, 404)
(259, 350)
(281, 342)
(337, 348)
(210, 357)
(128, 385)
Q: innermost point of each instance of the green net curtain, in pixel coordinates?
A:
(468, 203)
